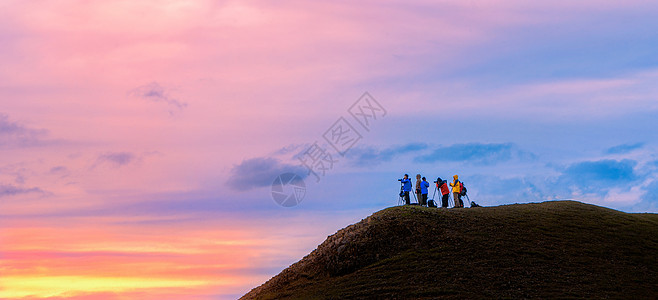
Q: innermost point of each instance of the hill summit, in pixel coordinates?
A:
(559, 249)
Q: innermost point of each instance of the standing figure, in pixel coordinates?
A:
(418, 181)
(442, 185)
(406, 188)
(457, 191)
(424, 187)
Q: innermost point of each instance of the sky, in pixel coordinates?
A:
(140, 140)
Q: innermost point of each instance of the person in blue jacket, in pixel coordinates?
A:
(424, 186)
(406, 188)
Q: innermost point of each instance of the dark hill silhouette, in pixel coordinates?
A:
(561, 249)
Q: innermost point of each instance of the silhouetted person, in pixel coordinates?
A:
(457, 191)
(424, 186)
(406, 188)
(418, 188)
(442, 185)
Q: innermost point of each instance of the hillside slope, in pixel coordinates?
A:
(546, 250)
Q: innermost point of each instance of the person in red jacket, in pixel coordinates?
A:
(442, 185)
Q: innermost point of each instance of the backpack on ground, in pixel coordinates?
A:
(431, 203)
(473, 204)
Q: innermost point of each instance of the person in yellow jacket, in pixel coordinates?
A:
(456, 191)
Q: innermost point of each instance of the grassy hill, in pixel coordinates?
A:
(561, 249)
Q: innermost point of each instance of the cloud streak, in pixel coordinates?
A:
(14, 134)
(116, 159)
(475, 153)
(604, 171)
(602, 182)
(260, 172)
(624, 148)
(156, 93)
(370, 156)
(12, 190)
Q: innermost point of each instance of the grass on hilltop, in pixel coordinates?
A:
(561, 249)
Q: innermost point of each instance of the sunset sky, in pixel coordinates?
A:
(139, 140)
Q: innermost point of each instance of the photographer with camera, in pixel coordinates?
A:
(406, 188)
(442, 185)
(424, 187)
(456, 191)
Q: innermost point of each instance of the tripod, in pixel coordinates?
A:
(470, 203)
(433, 195)
(437, 187)
(454, 201)
(401, 199)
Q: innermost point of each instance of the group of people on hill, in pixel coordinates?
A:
(422, 187)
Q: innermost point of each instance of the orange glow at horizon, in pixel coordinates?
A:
(53, 286)
(81, 261)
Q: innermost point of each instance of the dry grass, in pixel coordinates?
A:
(561, 249)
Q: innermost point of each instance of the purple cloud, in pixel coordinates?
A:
(260, 172)
(116, 159)
(12, 190)
(624, 148)
(14, 134)
(477, 153)
(154, 92)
